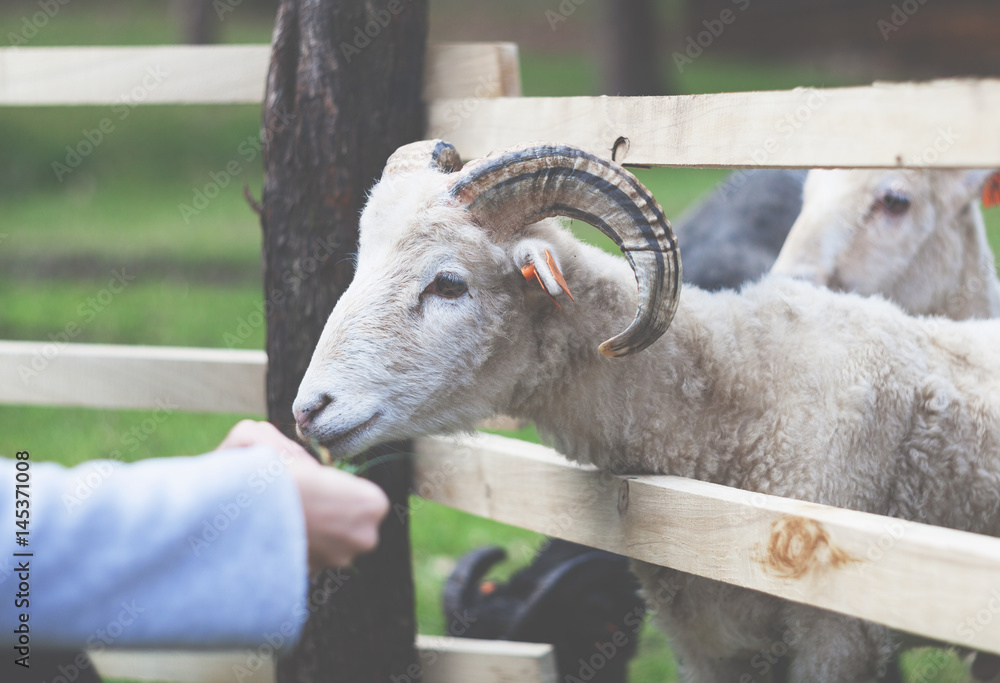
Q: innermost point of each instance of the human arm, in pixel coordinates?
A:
(175, 552)
(342, 512)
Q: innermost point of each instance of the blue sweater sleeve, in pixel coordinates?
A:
(205, 551)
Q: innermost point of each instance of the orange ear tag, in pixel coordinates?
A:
(557, 275)
(530, 272)
(991, 191)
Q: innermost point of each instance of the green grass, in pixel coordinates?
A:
(159, 312)
(122, 205)
(73, 435)
(555, 75)
(940, 666)
(136, 22)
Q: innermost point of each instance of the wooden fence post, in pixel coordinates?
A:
(343, 92)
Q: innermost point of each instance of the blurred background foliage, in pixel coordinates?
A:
(197, 275)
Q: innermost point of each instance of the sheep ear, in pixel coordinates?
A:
(991, 190)
(538, 265)
(984, 184)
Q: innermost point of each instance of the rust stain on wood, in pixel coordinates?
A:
(798, 545)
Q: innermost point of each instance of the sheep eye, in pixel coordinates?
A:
(895, 203)
(448, 285)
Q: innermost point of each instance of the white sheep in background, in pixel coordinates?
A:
(784, 388)
(914, 236)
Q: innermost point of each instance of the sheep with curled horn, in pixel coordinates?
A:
(731, 236)
(914, 236)
(783, 388)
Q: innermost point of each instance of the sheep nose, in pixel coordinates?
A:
(305, 415)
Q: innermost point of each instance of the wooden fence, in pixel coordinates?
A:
(929, 581)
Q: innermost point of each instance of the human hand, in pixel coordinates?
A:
(342, 512)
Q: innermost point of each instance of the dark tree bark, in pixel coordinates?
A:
(200, 22)
(632, 62)
(343, 92)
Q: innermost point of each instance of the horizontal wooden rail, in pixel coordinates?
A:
(444, 660)
(473, 90)
(112, 376)
(215, 74)
(926, 580)
(938, 124)
(142, 377)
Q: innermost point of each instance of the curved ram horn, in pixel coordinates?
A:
(462, 587)
(508, 190)
(436, 154)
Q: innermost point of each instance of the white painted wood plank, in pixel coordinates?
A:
(459, 660)
(938, 124)
(216, 74)
(459, 70)
(926, 580)
(168, 74)
(183, 666)
(444, 660)
(113, 376)
(122, 376)
(472, 90)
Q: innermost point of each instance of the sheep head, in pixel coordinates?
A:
(876, 231)
(435, 296)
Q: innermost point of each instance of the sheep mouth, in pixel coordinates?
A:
(338, 441)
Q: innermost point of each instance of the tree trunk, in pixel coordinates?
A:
(343, 92)
(632, 62)
(199, 21)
